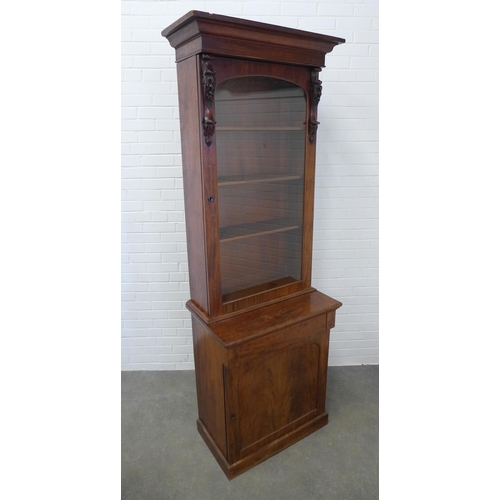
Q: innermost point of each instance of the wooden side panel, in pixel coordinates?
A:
(188, 78)
(209, 359)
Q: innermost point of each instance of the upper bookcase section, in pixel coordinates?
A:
(201, 32)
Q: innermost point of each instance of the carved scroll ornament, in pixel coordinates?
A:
(316, 89)
(313, 127)
(208, 87)
(208, 130)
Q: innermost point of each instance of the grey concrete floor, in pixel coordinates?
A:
(164, 457)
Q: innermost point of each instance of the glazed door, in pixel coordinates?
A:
(260, 172)
(262, 150)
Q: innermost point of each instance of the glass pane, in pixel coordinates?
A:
(260, 168)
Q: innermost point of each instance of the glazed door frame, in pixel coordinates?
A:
(212, 71)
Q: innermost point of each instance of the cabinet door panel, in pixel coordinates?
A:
(276, 396)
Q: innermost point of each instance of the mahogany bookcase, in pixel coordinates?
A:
(248, 100)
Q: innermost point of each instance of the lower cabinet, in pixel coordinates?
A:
(261, 378)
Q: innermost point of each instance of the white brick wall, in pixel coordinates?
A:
(156, 327)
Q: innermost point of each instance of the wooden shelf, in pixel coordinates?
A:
(233, 233)
(262, 128)
(232, 180)
(258, 97)
(228, 297)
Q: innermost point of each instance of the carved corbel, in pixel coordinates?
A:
(208, 130)
(313, 127)
(316, 90)
(208, 92)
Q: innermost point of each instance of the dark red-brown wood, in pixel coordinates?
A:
(198, 32)
(260, 331)
(261, 378)
(200, 186)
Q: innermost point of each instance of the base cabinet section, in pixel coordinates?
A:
(261, 387)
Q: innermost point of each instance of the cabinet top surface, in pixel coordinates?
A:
(277, 316)
(199, 31)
